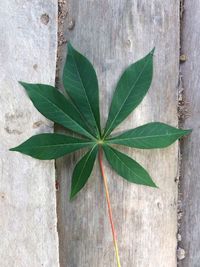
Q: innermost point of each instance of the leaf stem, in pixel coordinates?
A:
(109, 207)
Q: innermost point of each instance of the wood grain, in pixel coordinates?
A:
(190, 182)
(28, 44)
(113, 34)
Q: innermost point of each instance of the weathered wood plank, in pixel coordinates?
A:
(113, 34)
(190, 182)
(28, 43)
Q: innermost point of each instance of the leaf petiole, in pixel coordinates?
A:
(109, 207)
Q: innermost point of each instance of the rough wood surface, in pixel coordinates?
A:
(190, 182)
(113, 34)
(28, 43)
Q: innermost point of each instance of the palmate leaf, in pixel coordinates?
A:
(51, 146)
(126, 167)
(148, 136)
(82, 171)
(54, 106)
(80, 114)
(131, 89)
(80, 82)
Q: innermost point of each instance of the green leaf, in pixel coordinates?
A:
(127, 167)
(131, 89)
(50, 146)
(82, 171)
(80, 82)
(148, 136)
(54, 106)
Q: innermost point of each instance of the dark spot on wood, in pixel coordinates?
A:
(159, 205)
(2, 195)
(37, 124)
(57, 186)
(13, 116)
(44, 19)
(35, 66)
(128, 43)
(12, 131)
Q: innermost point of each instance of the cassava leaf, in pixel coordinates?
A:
(80, 113)
(54, 106)
(131, 89)
(148, 136)
(82, 171)
(128, 168)
(51, 146)
(80, 82)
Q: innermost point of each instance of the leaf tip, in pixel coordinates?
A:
(69, 46)
(21, 83)
(13, 149)
(152, 51)
(71, 196)
(155, 186)
(185, 133)
(188, 131)
(24, 84)
(152, 184)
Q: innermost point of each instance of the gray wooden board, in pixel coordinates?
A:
(190, 229)
(28, 42)
(113, 34)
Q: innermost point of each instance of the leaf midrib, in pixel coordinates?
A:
(127, 166)
(79, 126)
(141, 137)
(126, 98)
(50, 146)
(85, 92)
(83, 168)
(74, 105)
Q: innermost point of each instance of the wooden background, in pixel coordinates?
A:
(27, 192)
(190, 170)
(112, 34)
